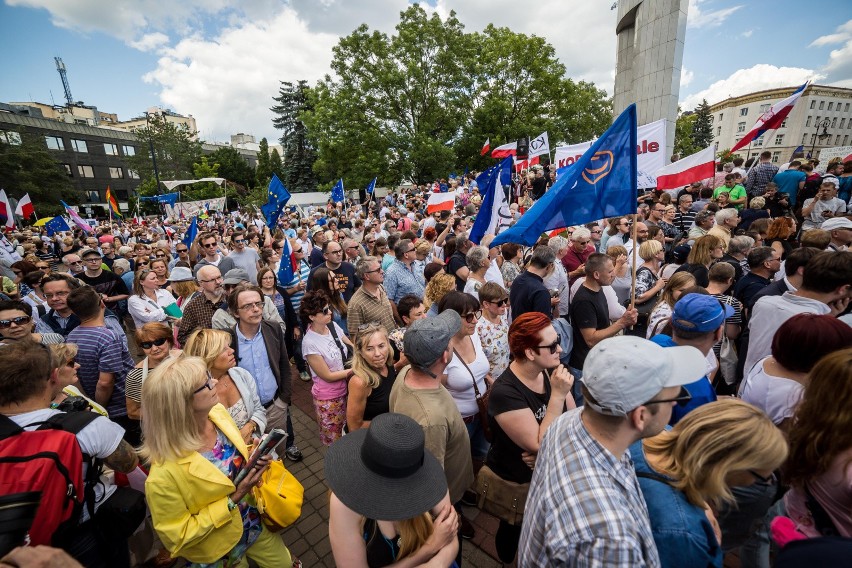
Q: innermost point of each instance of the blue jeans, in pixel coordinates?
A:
(479, 446)
(576, 392)
(745, 526)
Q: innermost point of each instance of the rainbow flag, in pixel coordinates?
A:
(113, 204)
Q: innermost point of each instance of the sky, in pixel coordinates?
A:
(221, 61)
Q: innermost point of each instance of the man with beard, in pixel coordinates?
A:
(198, 312)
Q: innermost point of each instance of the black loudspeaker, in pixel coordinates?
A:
(523, 147)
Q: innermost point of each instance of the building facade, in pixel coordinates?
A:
(822, 118)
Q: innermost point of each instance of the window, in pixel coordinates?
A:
(737, 139)
(121, 193)
(783, 124)
(759, 141)
(54, 143)
(821, 105)
(79, 146)
(813, 139)
(129, 150)
(715, 146)
(68, 170)
(718, 131)
(85, 171)
(10, 137)
(830, 106)
(846, 109)
(804, 139)
(116, 173)
(837, 140)
(741, 127)
(132, 174)
(110, 149)
(813, 104)
(779, 139)
(842, 122)
(722, 114)
(744, 111)
(834, 122)
(845, 140)
(807, 122)
(776, 157)
(764, 108)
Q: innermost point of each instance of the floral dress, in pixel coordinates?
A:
(495, 343)
(228, 460)
(510, 271)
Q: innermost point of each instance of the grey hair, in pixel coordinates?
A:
(581, 233)
(477, 258)
(121, 263)
(363, 265)
(542, 257)
(723, 215)
(739, 245)
(728, 166)
(558, 243)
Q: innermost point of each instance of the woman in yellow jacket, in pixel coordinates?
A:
(195, 448)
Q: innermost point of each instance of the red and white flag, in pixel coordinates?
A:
(441, 202)
(525, 164)
(771, 119)
(696, 167)
(6, 209)
(485, 147)
(505, 150)
(25, 207)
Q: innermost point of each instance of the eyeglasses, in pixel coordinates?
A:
(253, 305)
(471, 317)
(72, 362)
(681, 399)
(56, 295)
(584, 243)
(148, 344)
(326, 310)
(20, 320)
(210, 245)
(412, 249)
(553, 346)
(239, 241)
(498, 303)
(761, 478)
(181, 250)
(76, 262)
(379, 269)
(596, 231)
(207, 384)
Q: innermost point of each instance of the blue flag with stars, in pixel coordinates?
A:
(372, 186)
(286, 270)
(191, 233)
(278, 196)
(56, 225)
(337, 191)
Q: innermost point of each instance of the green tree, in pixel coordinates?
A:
(204, 190)
(702, 128)
(234, 168)
(683, 144)
(276, 166)
(263, 170)
(175, 151)
(297, 172)
(28, 167)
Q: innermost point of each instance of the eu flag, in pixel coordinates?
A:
(56, 225)
(286, 269)
(337, 191)
(278, 196)
(372, 186)
(191, 233)
(602, 183)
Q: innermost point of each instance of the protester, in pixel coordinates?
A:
(156, 340)
(374, 374)
(493, 327)
(704, 252)
(149, 301)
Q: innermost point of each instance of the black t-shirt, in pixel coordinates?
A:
(529, 294)
(509, 393)
(457, 261)
(106, 283)
(588, 310)
(701, 273)
(347, 282)
(379, 400)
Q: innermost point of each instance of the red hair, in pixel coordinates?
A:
(429, 233)
(524, 332)
(804, 339)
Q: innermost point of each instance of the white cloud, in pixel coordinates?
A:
(150, 42)
(756, 78)
(747, 34)
(838, 68)
(698, 18)
(686, 77)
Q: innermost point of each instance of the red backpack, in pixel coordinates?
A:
(41, 477)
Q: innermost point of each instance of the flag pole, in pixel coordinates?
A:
(633, 267)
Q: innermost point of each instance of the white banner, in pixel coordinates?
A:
(826, 154)
(192, 208)
(650, 147)
(539, 145)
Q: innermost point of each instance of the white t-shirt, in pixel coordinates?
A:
(776, 396)
(99, 439)
(460, 381)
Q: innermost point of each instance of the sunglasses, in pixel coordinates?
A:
(472, 316)
(210, 245)
(499, 303)
(207, 385)
(681, 399)
(43, 267)
(20, 320)
(553, 346)
(71, 362)
(149, 344)
(159, 256)
(326, 310)
(181, 250)
(761, 478)
(239, 241)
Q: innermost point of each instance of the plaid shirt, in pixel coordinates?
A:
(585, 507)
(758, 177)
(401, 280)
(198, 314)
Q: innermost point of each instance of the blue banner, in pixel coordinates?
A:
(278, 196)
(601, 184)
(56, 225)
(337, 192)
(494, 216)
(372, 186)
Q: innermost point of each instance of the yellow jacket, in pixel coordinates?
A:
(188, 499)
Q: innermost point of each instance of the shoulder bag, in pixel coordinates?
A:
(339, 343)
(279, 498)
(728, 357)
(481, 401)
(504, 499)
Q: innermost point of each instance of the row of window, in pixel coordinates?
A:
(57, 143)
(85, 171)
(830, 105)
(834, 123)
(826, 141)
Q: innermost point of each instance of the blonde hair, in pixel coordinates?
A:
(413, 533)
(713, 440)
(169, 427)
(207, 344)
(371, 377)
(677, 281)
(63, 353)
(649, 249)
(437, 288)
(185, 288)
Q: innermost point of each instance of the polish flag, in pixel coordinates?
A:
(485, 147)
(771, 119)
(441, 202)
(525, 164)
(696, 167)
(25, 207)
(505, 150)
(6, 209)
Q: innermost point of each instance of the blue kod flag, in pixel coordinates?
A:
(337, 191)
(372, 186)
(56, 225)
(494, 215)
(602, 183)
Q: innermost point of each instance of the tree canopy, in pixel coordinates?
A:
(420, 103)
(28, 167)
(297, 169)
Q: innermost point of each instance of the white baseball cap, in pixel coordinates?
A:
(622, 373)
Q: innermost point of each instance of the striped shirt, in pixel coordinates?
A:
(366, 308)
(304, 272)
(99, 350)
(585, 507)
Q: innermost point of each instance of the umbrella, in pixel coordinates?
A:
(42, 221)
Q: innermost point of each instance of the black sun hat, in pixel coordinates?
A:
(384, 472)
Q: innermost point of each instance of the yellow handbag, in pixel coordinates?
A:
(279, 498)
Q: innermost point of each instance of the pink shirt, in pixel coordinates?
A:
(833, 490)
(324, 345)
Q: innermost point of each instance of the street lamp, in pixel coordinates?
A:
(824, 124)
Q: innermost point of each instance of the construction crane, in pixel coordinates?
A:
(60, 66)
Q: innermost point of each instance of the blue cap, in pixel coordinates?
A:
(700, 313)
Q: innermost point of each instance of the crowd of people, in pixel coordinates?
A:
(655, 389)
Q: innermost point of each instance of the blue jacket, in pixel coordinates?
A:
(701, 390)
(684, 536)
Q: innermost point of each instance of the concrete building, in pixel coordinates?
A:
(77, 113)
(132, 125)
(822, 118)
(649, 56)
